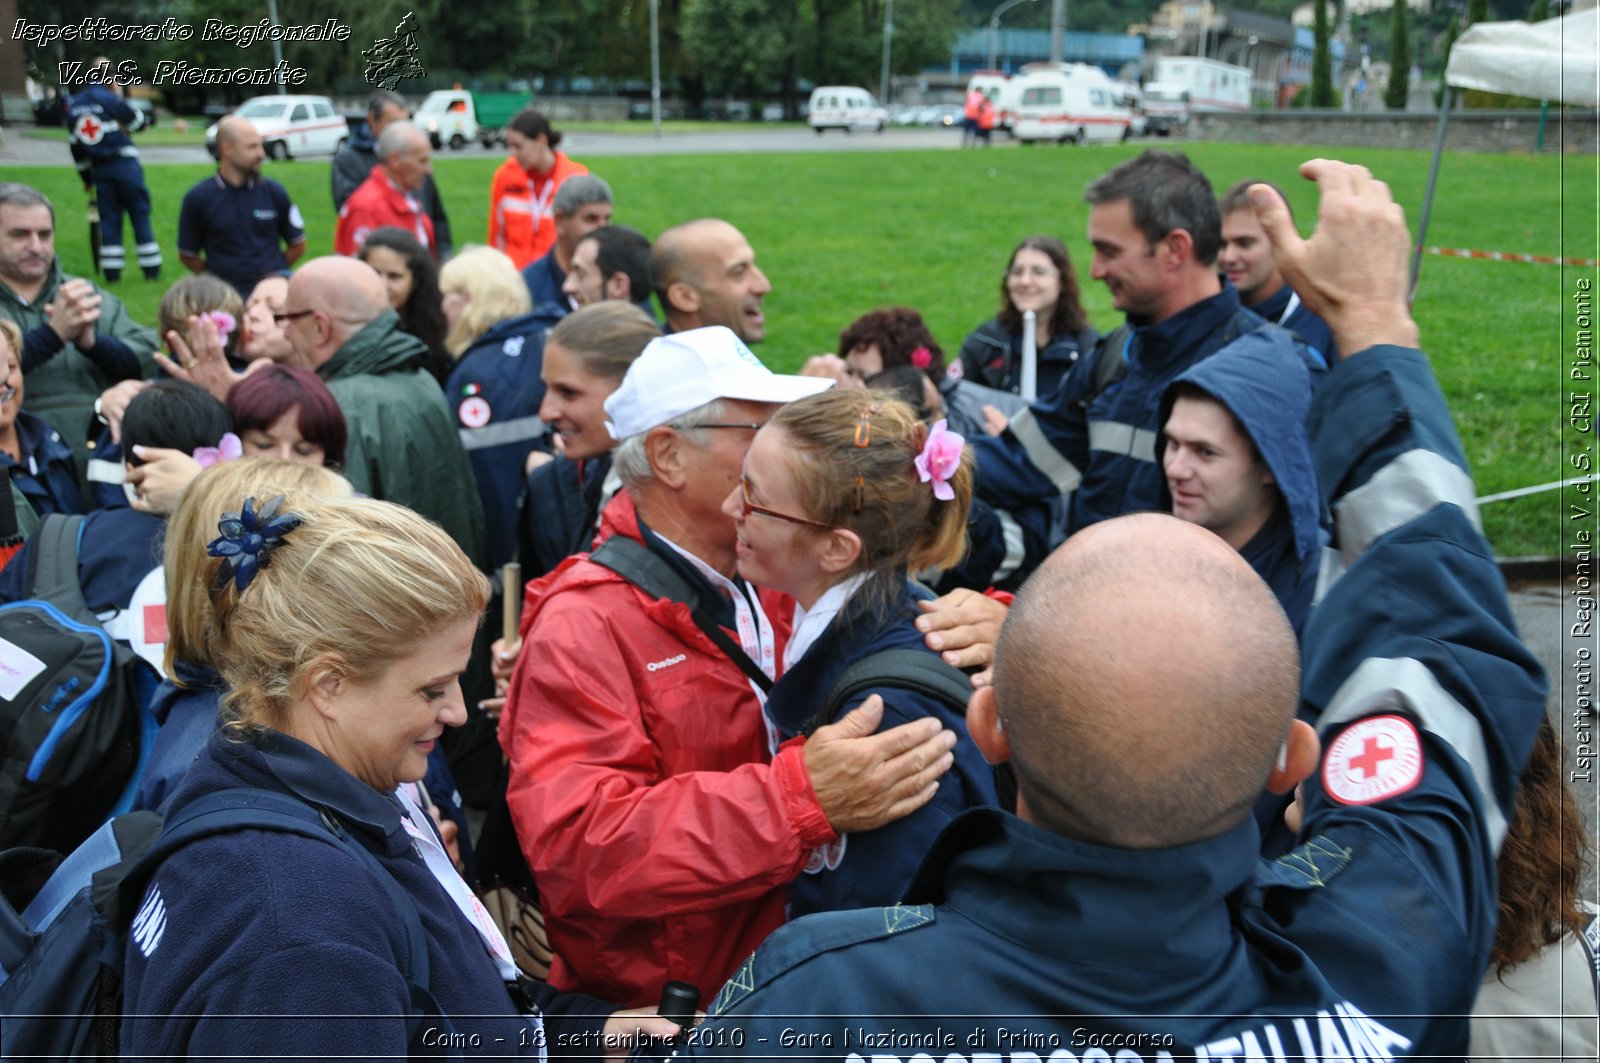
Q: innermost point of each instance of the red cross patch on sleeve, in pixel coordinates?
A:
(474, 411)
(1374, 760)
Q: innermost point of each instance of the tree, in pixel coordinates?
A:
(1399, 87)
(1322, 62)
(1539, 10)
(1477, 11)
(740, 46)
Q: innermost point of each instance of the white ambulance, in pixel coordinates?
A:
(1069, 103)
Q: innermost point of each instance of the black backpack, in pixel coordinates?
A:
(923, 672)
(902, 669)
(64, 924)
(71, 716)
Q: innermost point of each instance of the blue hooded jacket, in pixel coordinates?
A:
(1269, 396)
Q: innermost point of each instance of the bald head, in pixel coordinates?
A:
(705, 274)
(239, 148)
(1146, 677)
(347, 293)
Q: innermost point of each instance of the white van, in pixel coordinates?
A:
(1069, 103)
(845, 107)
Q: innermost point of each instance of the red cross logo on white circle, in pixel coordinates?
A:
(474, 412)
(89, 130)
(1378, 758)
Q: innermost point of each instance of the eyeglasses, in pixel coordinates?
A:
(749, 507)
(751, 427)
(280, 316)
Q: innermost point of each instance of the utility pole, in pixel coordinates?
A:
(888, 38)
(655, 66)
(1058, 31)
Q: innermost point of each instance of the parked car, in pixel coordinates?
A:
(845, 107)
(291, 126)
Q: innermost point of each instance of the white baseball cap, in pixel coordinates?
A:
(686, 370)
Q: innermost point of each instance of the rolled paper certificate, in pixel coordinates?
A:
(1030, 357)
(511, 599)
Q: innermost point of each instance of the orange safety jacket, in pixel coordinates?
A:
(520, 219)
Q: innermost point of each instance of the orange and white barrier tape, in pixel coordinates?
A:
(1510, 256)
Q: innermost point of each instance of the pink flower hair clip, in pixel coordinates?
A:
(922, 358)
(939, 460)
(228, 448)
(225, 323)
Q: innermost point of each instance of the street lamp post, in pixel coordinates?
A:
(994, 28)
(888, 37)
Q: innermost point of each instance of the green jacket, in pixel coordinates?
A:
(403, 445)
(62, 389)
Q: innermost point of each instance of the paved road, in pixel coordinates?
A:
(1546, 611)
(20, 150)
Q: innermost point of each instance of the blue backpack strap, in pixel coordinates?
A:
(254, 809)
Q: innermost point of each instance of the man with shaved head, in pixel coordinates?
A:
(403, 446)
(236, 223)
(705, 274)
(1112, 739)
(390, 194)
(1145, 692)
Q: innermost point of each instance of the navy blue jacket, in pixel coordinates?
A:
(544, 277)
(1100, 448)
(47, 475)
(261, 925)
(560, 513)
(874, 868)
(1003, 546)
(991, 356)
(187, 716)
(1269, 398)
(1367, 941)
(495, 392)
(1301, 321)
(100, 122)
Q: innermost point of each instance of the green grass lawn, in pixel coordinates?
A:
(165, 135)
(842, 233)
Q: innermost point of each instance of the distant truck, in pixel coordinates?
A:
(455, 117)
(1186, 83)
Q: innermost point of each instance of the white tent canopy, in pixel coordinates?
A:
(1553, 60)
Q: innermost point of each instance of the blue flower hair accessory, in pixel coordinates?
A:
(248, 539)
